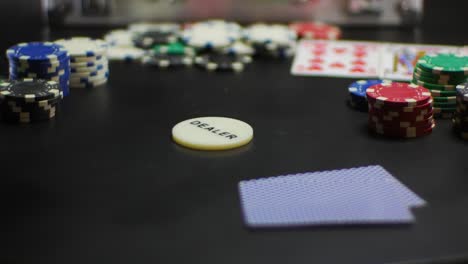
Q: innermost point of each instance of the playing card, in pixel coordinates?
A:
(327, 198)
(337, 58)
(398, 60)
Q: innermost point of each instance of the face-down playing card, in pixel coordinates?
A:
(366, 195)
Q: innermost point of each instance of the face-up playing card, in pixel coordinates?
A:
(398, 60)
(364, 195)
(337, 58)
(353, 59)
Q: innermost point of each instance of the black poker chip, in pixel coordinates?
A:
(167, 60)
(222, 62)
(29, 90)
(147, 40)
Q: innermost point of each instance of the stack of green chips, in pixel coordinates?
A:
(441, 73)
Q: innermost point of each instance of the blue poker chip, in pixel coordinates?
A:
(359, 88)
(36, 52)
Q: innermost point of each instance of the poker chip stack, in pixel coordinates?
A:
(460, 117)
(316, 30)
(357, 93)
(441, 73)
(40, 60)
(88, 61)
(29, 100)
(219, 45)
(400, 110)
(271, 40)
(146, 35)
(169, 55)
(121, 46)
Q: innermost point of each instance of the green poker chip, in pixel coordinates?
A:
(432, 86)
(444, 63)
(432, 76)
(452, 82)
(438, 93)
(439, 110)
(444, 104)
(176, 48)
(443, 99)
(439, 75)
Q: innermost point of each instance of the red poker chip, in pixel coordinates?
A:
(316, 30)
(395, 123)
(402, 109)
(402, 117)
(409, 132)
(398, 94)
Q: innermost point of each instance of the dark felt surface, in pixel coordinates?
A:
(104, 183)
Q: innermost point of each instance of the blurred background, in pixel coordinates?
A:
(343, 12)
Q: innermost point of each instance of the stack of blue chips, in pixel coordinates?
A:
(357, 92)
(40, 60)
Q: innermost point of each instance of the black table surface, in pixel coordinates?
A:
(104, 182)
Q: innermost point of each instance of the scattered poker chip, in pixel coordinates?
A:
(398, 94)
(167, 60)
(316, 30)
(120, 53)
(146, 40)
(211, 35)
(222, 62)
(212, 133)
(40, 60)
(176, 48)
(119, 38)
(444, 63)
(89, 63)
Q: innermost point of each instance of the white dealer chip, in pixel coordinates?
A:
(212, 133)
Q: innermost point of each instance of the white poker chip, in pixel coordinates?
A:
(240, 48)
(213, 34)
(165, 27)
(119, 38)
(212, 133)
(273, 36)
(83, 46)
(124, 53)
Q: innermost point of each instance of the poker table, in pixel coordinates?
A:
(104, 183)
